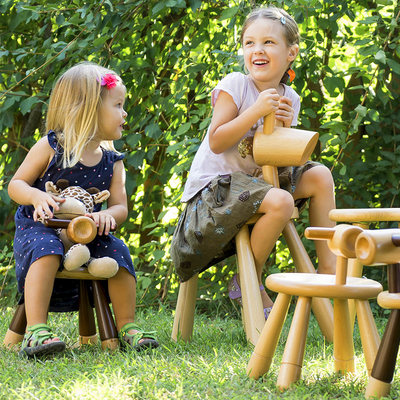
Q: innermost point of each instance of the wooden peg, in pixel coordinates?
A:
(378, 246)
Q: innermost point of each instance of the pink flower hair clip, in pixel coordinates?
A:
(109, 80)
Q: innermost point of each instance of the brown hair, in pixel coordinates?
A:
(291, 30)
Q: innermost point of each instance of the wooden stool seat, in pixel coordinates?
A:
(341, 240)
(323, 285)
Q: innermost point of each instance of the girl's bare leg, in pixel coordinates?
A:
(277, 208)
(122, 290)
(317, 184)
(39, 284)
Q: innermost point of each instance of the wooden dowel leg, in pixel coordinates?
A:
(322, 308)
(292, 360)
(16, 330)
(105, 321)
(343, 347)
(354, 270)
(369, 334)
(385, 362)
(185, 309)
(87, 325)
(253, 312)
(264, 350)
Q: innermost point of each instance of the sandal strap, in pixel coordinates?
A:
(140, 334)
(36, 335)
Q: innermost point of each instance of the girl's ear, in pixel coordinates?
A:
(293, 51)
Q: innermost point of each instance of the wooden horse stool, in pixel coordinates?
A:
(341, 240)
(383, 246)
(273, 147)
(79, 230)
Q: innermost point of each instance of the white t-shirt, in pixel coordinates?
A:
(208, 165)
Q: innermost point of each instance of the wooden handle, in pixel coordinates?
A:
(379, 246)
(319, 233)
(82, 230)
(341, 239)
(269, 124)
(56, 223)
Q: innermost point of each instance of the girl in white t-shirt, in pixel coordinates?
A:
(222, 191)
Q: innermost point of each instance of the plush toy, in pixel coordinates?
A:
(78, 202)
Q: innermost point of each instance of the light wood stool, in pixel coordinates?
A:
(273, 147)
(383, 246)
(341, 240)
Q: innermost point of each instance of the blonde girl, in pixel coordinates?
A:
(85, 115)
(222, 191)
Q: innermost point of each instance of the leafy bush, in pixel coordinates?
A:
(170, 55)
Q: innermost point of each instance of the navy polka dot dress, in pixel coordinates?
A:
(33, 240)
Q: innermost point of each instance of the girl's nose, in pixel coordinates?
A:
(124, 113)
(258, 48)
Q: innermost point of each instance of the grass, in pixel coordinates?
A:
(211, 366)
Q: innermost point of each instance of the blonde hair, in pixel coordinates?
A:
(291, 30)
(74, 106)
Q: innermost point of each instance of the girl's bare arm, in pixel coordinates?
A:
(227, 127)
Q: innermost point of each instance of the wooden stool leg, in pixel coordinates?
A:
(16, 330)
(105, 320)
(292, 360)
(87, 325)
(385, 362)
(343, 347)
(264, 350)
(322, 308)
(355, 269)
(369, 334)
(253, 312)
(185, 307)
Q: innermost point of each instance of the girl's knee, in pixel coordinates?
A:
(320, 177)
(279, 202)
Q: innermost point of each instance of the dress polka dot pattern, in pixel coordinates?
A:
(33, 240)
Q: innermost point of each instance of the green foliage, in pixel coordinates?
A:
(170, 54)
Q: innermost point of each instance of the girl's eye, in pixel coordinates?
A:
(249, 42)
(268, 42)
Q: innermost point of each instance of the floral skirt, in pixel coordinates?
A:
(212, 218)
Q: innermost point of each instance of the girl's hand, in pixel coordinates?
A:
(42, 203)
(285, 112)
(267, 102)
(104, 221)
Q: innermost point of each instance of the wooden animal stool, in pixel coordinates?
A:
(273, 147)
(79, 230)
(383, 246)
(341, 240)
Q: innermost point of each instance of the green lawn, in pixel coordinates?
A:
(212, 366)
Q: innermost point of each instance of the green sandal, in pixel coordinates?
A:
(139, 341)
(33, 346)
